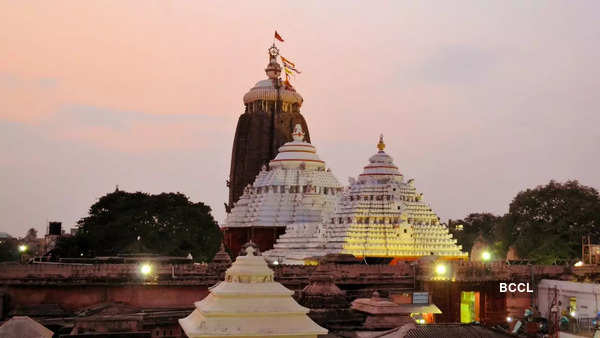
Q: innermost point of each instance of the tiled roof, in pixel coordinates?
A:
(453, 331)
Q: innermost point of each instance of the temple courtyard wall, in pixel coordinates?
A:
(77, 287)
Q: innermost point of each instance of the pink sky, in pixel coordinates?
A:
(477, 99)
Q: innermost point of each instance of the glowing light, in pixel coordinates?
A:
(275, 263)
(440, 269)
(421, 321)
(486, 256)
(509, 319)
(573, 313)
(580, 263)
(22, 248)
(146, 269)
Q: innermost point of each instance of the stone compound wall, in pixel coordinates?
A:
(74, 287)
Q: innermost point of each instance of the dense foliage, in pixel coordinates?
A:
(544, 224)
(548, 222)
(8, 250)
(123, 222)
(475, 226)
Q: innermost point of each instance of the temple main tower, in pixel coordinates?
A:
(272, 109)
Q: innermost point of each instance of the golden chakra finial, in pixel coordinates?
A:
(381, 145)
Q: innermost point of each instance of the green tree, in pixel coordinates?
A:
(9, 252)
(547, 223)
(473, 226)
(123, 222)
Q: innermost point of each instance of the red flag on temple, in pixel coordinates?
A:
(278, 37)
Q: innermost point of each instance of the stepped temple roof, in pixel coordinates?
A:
(24, 327)
(249, 303)
(379, 215)
(297, 188)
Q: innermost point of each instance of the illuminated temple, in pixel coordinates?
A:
(380, 215)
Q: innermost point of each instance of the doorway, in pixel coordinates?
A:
(469, 306)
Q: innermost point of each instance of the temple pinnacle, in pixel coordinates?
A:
(298, 134)
(381, 145)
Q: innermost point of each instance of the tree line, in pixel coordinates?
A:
(544, 224)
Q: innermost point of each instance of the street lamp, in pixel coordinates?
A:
(486, 256)
(145, 269)
(440, 269)
(22, 248)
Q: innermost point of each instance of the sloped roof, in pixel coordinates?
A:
(24, 327)
(452, 331)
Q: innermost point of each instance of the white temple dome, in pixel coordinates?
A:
(297, 152)
(381, 165)
(265, 90)
(296, 188)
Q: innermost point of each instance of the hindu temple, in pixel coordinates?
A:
(272, 109)
(380, 216)
(249, 303)
(295, 188)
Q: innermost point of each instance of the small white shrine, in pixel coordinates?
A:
(249, 303)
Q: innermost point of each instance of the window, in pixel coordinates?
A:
(325, 191)
(405, 231)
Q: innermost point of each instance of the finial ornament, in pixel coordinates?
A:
(381, 145)
(273, 50)
(273, 69)
(298, 134)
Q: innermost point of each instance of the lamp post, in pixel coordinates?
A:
(145, 269)
(22, 250)
(486, 256)
(440, 270)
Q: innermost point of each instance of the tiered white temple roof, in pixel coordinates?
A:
(379, 215)
(249, 303)
(297, 188)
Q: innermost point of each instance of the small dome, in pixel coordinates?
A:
(265, 90)
(297, 152)
(381, 165)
